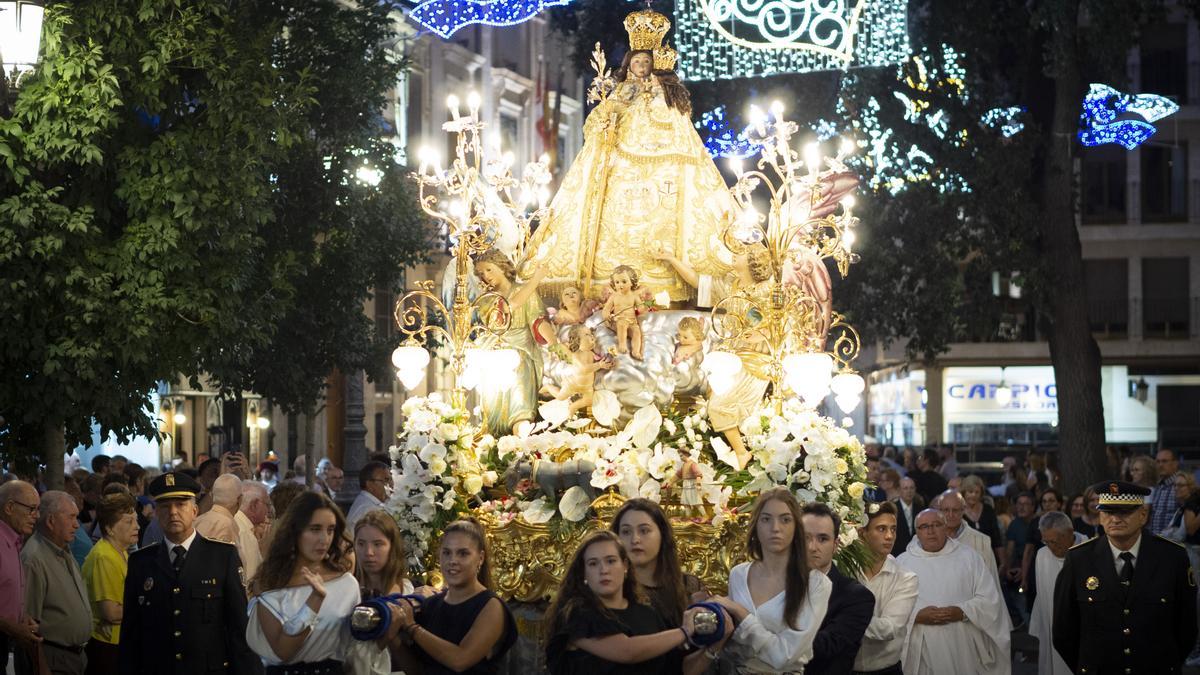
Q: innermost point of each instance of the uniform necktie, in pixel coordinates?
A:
(1127, 570)
(179, 552)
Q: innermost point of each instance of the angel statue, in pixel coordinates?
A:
(643, 176)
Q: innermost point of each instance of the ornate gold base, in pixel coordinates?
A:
(528, 561)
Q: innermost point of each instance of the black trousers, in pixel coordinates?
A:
(890, 670)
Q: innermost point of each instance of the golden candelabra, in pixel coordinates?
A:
(783, 329)
(473, 200)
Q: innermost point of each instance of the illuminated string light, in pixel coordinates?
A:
(720, 137)
(1004, 119)
(731, 39)
(445, 17)
(1103, 105)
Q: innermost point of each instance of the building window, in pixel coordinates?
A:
(1108, 296)
(1104, 185)
(1164, 182)
(385, 322)
(1164, 61)
(1165, 297)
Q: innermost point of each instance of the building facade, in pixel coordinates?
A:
(1139, 225)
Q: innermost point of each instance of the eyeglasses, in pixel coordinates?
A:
(927, 527)
(32, 509)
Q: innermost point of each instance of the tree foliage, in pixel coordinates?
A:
(177, 185)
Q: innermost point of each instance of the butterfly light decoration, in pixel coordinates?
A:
(1104, 104)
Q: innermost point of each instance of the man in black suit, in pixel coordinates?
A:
(1125, 602)
(908, 505)
(850, 603)
(185, 606)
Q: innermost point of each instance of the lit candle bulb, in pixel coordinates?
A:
(452, 104)
(812, 157)
(777, 109)
(736, 166)
(473, 102)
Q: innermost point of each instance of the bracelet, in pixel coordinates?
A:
(687, 639)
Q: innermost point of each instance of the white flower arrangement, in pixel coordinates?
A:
(815, 457)
(443, 461)
(438, 462)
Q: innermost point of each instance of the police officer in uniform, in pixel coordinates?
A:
(185, 607)
(1125, 602)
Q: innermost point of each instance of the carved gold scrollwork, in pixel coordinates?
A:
(529, 561)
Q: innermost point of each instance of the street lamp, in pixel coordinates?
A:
(20, 35)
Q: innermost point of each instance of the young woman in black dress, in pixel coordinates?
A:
(649, 540)
(598, 625)
(466, 628)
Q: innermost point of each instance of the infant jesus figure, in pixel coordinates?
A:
(623, 309)
(585, 364)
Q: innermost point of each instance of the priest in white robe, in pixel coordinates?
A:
(960, 623)
(952, 506)
(1058, 535)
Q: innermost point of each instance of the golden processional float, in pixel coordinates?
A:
(689, 340)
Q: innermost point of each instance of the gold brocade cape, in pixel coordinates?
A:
(642, 178)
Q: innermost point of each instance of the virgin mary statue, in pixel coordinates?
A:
(642, 182)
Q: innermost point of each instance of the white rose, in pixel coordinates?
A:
(473, 483)
(856, 490)
(840, 465)
(490, 478)
(438, 465)
(508, 445)
(449, 432)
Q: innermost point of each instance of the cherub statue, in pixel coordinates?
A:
(572, 307)
(690, 340)
(585, 364)
(688, 474)
(622, 310)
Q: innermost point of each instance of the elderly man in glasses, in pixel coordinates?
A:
(961, 625)
(19, 504)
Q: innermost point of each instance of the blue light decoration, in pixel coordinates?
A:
(722, 140)
(446, 17)
(732, 39)
(1103, 105)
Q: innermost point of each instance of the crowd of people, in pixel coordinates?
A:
(213, 569)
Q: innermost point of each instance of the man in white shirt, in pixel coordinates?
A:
(1058, 535)
(895, 592)
(375, 481)
(952, 507)
(961, 624)
(217, 523)
(254, 511)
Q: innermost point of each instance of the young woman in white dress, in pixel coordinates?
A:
(304, 591)
(777, 602)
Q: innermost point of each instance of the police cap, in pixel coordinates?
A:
(174, 485)
(1117, 495)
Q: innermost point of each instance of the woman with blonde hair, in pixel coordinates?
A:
(381, 567)
(1142, 471)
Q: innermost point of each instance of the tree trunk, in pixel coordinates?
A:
(54, 448)
(310, 453)
(1073, 350)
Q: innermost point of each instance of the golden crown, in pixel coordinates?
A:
(646, 29)
(664, 58)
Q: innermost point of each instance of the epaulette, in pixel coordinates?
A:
(1179, 544)
(215, 541)
(1083, 543)
(147, 547)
